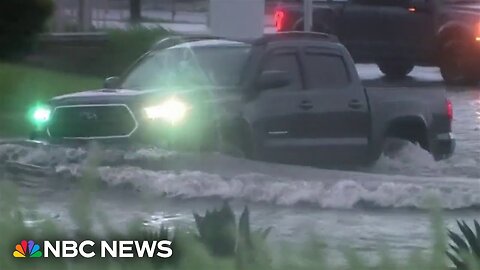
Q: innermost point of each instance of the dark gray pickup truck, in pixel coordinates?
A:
(291, 97)
(398, 34)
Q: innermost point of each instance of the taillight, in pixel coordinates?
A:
(449, 110)
(279, 19)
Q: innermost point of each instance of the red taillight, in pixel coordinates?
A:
(279, 19)
(449, 110)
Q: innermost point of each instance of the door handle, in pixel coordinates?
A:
(355, 104)
(306, 105)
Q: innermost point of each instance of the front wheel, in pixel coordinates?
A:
(395, 69)
(236, 141)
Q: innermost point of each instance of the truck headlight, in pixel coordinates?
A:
(172, 110)
(41, 115)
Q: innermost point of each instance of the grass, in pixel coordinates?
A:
(22, 87)
(220, 241)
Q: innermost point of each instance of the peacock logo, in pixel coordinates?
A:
(27, 250)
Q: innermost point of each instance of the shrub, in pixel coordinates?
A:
(126, 46)
(465, 247)
(20, 21)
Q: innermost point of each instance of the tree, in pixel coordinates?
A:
(135, 11)
(20, 22)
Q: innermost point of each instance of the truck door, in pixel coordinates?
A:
(337, 124)
(361, 28)
(274, 113)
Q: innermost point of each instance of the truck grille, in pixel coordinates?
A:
(92, 122)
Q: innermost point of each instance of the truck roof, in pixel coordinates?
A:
(281, 36)
(206, 40)
(210, 43)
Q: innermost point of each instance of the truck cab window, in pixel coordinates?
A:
(326, 71)
(286, 62)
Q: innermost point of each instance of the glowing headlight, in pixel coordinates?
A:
(172, 111)
(41, 115)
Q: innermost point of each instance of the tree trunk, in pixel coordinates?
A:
(135, 11)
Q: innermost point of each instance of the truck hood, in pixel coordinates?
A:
(101, 96)
(132, 97)
(100, 93)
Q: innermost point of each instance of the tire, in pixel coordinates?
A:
(392, 146)
(455, 67)
(232, 150)
(395, 69)
(236, 142)
(197, 139)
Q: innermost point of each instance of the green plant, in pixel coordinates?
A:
(126, 46)
(465, 252)
(20, 21)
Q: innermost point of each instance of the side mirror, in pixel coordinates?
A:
(111, 82)
(271, 79)
(420, 5)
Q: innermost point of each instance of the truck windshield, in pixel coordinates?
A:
(186, 66)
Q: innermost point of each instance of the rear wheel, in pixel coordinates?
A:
(392, 146)
(455, 66)
(395, 69)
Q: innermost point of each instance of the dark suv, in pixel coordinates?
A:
(398, 34)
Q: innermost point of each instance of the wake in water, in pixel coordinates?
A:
(412, 181)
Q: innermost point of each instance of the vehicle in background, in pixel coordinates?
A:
(399, 34)
(287, 97)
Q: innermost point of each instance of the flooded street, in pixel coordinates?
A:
(364, 208)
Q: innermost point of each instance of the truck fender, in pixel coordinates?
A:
(453, 30)
(412, 128)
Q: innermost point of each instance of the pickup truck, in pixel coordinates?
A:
(398, 34)
(291, 97)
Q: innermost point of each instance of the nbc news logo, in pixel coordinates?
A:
(85, 249)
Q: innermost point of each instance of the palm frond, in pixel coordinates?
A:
(464, 246)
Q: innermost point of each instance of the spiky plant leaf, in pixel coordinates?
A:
(477, 230)
(470, 237)
(244, 227)
(461, 244)
(263, 233)
(454, 248)
(459, 264)
(217, 231)
(466, 246)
